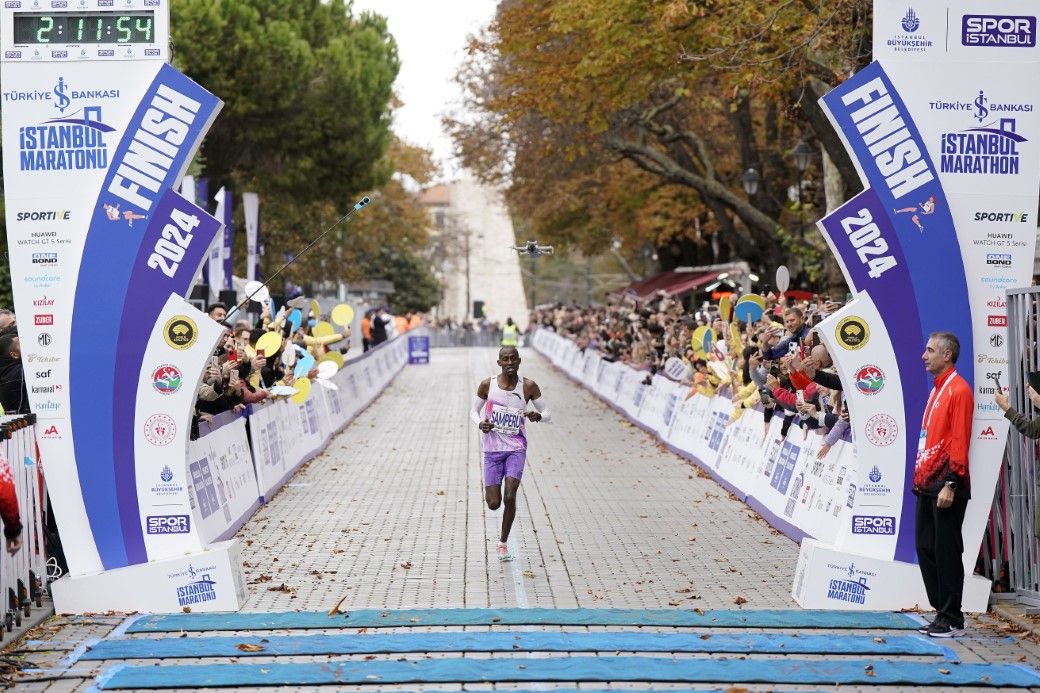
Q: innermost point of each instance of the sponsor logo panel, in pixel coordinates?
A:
(180, 332)
(852, 333)
(168, 524)
(998, 31)
(873, 524)
(160, 429)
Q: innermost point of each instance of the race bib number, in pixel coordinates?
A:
(505, 419)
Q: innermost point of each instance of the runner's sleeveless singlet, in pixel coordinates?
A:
(505, 410)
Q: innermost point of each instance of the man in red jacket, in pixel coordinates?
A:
(942, 484)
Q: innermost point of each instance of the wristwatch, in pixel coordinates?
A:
(952, 485)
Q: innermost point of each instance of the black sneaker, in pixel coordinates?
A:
(927, 625)
(945, 629)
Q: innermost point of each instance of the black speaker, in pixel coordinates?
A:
(229, 298)
(478, 309)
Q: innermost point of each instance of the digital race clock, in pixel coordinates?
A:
(77, 30)
(84, 27)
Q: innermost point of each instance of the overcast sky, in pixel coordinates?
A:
(431, 40)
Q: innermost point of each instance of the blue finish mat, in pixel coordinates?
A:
(574, 669)
(276, 645)
(374, 618)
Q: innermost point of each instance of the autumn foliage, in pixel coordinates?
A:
(636, 120)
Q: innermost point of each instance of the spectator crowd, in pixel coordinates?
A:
(242, 370)
(776, 361)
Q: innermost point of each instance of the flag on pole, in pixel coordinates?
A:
(251, 211)
(228, 240)
(215, 266)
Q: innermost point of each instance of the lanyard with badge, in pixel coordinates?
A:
(928, 411)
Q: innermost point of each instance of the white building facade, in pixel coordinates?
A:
(472, 253)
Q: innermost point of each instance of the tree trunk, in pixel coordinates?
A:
(834, 190)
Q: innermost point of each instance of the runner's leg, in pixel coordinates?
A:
(508, 515)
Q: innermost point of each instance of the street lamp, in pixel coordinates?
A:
(469, 302)
(750, 181)
(802, 155)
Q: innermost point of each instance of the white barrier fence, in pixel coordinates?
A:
(822, 502)
(235, 465)
(23, 575)
(781, 478)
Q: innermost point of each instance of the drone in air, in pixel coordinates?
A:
(532, 249)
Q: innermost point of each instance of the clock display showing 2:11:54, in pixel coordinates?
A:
(74, 28)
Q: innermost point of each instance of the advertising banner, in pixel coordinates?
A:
(100, 244)
(943, 127)
(221, 483)
(164, 397)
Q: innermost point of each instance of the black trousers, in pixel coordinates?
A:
(939, 547)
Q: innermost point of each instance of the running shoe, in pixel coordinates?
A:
(927, 625)
(503, 553)
(945, 629)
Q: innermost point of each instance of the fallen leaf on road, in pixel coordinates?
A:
(249, 647)
(740, 600)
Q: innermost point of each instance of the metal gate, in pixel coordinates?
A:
(1012, 543)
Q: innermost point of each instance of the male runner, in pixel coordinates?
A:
(500, 412)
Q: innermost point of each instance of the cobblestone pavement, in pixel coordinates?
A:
(392, 516)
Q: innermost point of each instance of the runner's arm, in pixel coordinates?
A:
(543, 410)
(476, 414)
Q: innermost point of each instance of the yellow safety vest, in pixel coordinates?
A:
(509, 333)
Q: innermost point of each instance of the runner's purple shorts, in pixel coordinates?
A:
(498, 465)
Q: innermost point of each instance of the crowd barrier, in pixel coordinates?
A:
(799, 494)
(236, 464)
(241, 461)
(817, 501)
(443, 337)
(23, 575)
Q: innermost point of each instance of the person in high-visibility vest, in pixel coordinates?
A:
(510, 333)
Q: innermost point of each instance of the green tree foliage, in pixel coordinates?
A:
(416, 289)
(307, 90)
(308, 99)
(6, 296)
(394, 221)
